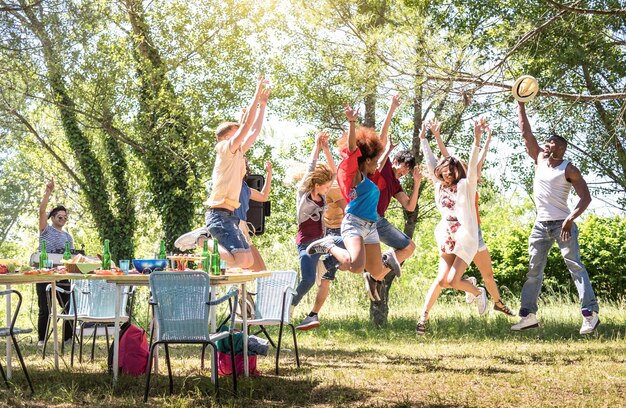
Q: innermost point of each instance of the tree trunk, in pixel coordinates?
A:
(166, 130)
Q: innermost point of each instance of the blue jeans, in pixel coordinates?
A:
(541, 238)
(390, 235)
(331, 263)
(308, 270)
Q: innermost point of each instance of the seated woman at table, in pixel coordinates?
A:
(55, 239)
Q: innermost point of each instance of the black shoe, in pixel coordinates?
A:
(391, 262)
(372, 286)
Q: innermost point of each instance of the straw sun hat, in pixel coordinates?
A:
(525, 88)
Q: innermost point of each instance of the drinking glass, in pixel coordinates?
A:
(125, 265)
(48, 264)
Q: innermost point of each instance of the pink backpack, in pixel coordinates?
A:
(134, 351)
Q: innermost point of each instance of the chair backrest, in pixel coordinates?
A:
(96, 298)
(272, 293)
(181, 305)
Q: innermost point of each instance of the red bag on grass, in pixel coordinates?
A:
(134, 351)
(224, 366)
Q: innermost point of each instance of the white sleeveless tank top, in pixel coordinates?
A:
(551, 189)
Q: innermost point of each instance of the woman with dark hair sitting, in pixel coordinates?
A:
(55, 239)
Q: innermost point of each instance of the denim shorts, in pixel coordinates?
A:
(224, 226)
(353, 226)
(391, 236)
(481, 242)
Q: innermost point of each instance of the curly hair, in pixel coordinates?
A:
(322, 174)
(405, 157)
(455, 166)
(366, 140)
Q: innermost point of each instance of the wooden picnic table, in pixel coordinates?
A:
(230, 278)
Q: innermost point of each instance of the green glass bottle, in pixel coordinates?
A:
(106, 256)
(215, 259)
(67, 255)
(206, 257)
(162, 254)
(43, 254)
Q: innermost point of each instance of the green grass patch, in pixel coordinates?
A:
(464, 360)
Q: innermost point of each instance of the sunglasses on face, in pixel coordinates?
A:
(61, 217)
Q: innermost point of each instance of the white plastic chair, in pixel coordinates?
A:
(272, 306)
(92, 301)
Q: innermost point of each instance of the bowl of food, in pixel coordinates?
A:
(85, 268)
(147, 266)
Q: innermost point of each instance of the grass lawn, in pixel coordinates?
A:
(463, 361)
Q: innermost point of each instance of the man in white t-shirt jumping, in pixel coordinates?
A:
(554, 178)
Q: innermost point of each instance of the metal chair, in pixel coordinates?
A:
(182, 305)
(91, 302)
(273, 298)
(13, 331)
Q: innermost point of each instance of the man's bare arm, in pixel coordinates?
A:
(532, 147)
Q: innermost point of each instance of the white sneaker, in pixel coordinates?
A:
(40, 343)
(589, 323)
(190, 240)
(481, 301)
(469, 297)
(527, 322)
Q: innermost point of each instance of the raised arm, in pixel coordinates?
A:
(351, 115)
(43, 214)
(572, 174)
(429, 157)
(472, 166)
(257, 125)
(532, 147)
(238, 138)
(407, 202)
(435, 127)
(263, 195)
(329, 156)
(388, 149)
(483, 153)
(384, 131)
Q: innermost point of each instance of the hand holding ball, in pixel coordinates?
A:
(525, 88)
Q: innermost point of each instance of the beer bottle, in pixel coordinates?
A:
(67, 255)
(215, 259)
(43, 254)
(162, 254)
(106, 256)
(206, 257)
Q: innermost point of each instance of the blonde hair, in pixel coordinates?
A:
(224, 128)
(322, 174)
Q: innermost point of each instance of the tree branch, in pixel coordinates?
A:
(562, 95)
(612, 12)
(34, 132)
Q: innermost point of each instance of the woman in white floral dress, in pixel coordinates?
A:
(457, 232)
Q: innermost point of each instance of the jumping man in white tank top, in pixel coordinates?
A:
(554, 178)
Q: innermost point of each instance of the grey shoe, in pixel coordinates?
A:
(391, 262)
(309, 322)
(372, 286)
(320, 246)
